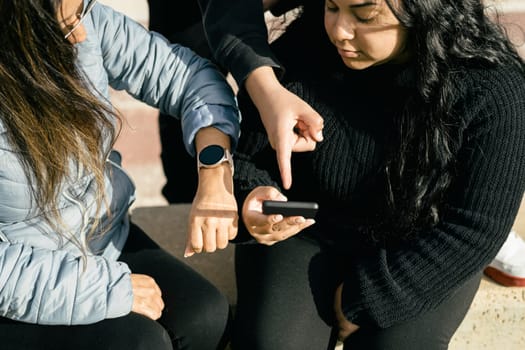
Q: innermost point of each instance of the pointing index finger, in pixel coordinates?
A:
(284, 155)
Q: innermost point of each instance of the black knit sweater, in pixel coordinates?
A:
(388, 283)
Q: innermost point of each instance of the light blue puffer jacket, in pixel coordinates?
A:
(46, 279)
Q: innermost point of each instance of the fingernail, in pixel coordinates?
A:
(300, 220)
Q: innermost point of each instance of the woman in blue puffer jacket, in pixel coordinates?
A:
(75, 273)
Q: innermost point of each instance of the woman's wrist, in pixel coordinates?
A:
(217, 178)
(262, 83)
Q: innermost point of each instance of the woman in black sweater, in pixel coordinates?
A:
(418, 179)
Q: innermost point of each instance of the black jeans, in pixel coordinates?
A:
(285, 299)
(196, 314)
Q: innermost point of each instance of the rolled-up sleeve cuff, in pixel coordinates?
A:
(225, 118)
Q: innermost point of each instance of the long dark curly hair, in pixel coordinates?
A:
(445, 36)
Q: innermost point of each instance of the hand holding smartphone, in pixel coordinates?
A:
(290, 208)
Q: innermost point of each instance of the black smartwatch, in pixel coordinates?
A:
(214, 155)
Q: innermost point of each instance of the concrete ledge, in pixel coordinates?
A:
(496, 319)
(167, 225)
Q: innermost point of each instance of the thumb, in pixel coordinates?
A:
(315, 124)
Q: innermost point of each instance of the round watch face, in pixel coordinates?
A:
(211, 155)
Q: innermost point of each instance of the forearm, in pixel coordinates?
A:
(260, 85)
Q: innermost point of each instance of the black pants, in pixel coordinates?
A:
(285, 302)
(196, 314)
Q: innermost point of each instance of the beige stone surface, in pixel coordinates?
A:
(496, 320)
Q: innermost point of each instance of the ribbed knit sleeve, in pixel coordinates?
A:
(255, 161)
(391, 285)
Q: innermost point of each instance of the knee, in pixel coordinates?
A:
(202, 323)
(212, 315)
(215, 308)
(142, 333)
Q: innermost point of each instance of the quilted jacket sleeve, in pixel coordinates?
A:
(169, 77)
(54, 287)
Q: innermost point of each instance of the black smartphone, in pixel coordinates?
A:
(290, 208)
